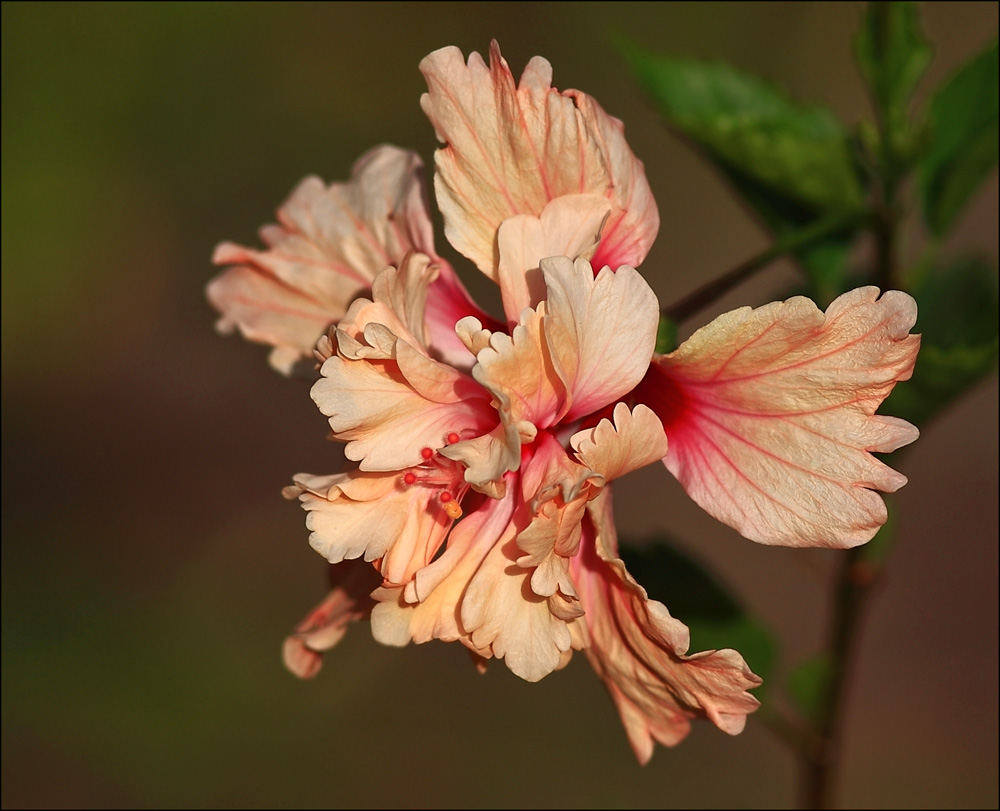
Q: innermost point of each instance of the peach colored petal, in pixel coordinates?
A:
(374, 516)
(488, 457)
(403, 291)
(600, 332)
(473, 335)
(519, 368)
(330, 244)
(268, 312)
(383, 394)
(771, 415)
(429, 607)
(421, 302)
(568, 226)
(634, 440)
(548, 542)
(556, 490)
(510, 149)
(640, 651)
(397, 304)
(389, 411)
(505, 617)
(634, 221)
(348, 601)
(517, 371)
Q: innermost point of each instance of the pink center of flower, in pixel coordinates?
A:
(442, 473)
(664, 395)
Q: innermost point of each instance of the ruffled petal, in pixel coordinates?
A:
(398, 302)
(488, 457)
(348, 601)
(383, 394)
(519, 367)
(448, 303)
(429, 606)
(474, 592)
(507, 619)
(555, 489)
(510, 149)
(771, 417)
(389, 411)
(600, 331)
(268, 312)
(375, 517)
(517, 370)
(330, 244)
(634, 440)
(640, 651)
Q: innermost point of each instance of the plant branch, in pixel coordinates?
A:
(790, 243)
(858, 574)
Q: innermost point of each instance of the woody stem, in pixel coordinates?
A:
(854, 586)
(860, 568)
(790, 243)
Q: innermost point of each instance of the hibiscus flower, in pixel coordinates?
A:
(479, 507)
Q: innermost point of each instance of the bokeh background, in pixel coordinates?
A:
(150, 566)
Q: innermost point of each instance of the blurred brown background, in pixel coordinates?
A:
(150, 566)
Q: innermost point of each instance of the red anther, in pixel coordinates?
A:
(453, 438)
(446, 496)
(427, 453)
(409, 477)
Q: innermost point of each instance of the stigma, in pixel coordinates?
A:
(443, 474)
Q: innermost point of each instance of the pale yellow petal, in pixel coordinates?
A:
(349, 600)
(635, 440)
(330, 244)
(510, 149)
(640, 651)
(568, 226)
(770, 414)
(600, 331)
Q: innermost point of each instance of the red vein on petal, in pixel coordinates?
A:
(805, 361)
(501, 187)
(333, 266)
(273, 308)
(709, 440)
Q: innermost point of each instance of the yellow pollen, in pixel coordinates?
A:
(453, 510)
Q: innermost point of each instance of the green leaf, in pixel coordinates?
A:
(792, 164)
(963, 136)
(666, 336)
(798, 154)
(892, 55)
(808, 683)
(695, 598)
(958, 320)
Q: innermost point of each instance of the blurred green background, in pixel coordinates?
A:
(150, 566)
